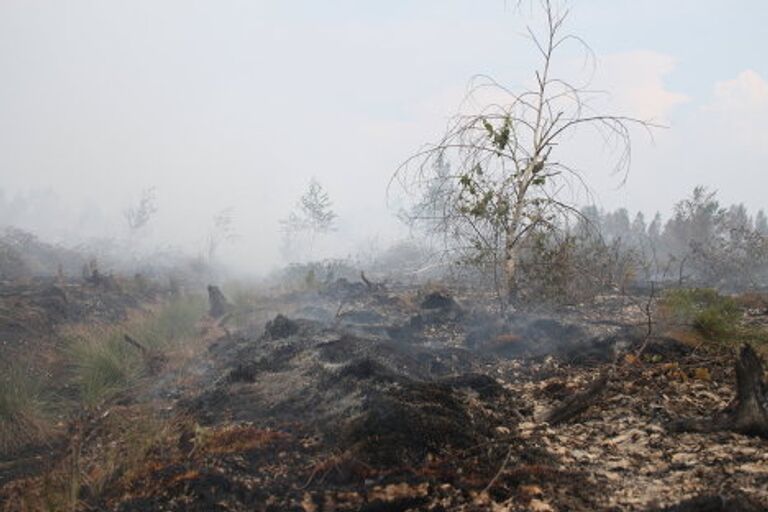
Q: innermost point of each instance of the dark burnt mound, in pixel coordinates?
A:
(390, 403)
(279, 328)
(715, 503)
(403, 425)
(368, 369)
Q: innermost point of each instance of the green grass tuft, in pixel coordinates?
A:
(104, 365)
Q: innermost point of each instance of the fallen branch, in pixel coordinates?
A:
(372, 287)
(338, 317)
(578, 403)
(503, 466)
(136, 344)
(153, 359)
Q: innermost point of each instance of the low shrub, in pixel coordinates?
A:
(713, 315)
(556, 268)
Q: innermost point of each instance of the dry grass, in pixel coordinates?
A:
(752, 300)
(24, 410)
(107, 442)
(246, 302)
(114, 449)
(238, 438)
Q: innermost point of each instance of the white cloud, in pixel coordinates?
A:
(720, 143)
(748, 92)
(636, 83)
(738, 112)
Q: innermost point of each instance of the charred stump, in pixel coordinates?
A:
(750, 414)
(219, 305)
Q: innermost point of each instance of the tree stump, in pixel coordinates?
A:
(750, 414)
(219, 305)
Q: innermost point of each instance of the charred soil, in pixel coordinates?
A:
(359, 398)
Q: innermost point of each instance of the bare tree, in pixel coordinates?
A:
(313, 215)
(221, 232)
(507, 178)
(138, 216)
(429, 210)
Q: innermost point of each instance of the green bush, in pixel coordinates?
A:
(711, 314)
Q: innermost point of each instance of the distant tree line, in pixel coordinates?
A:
(575, 257)
(702, 243)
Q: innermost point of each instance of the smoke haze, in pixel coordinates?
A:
(239, 104)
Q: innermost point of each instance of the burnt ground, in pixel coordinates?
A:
(31, 310)
(404, 399)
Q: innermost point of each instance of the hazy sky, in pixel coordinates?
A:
(238, 103)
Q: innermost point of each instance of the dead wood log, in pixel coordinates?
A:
(577, 403)
(136, 344)
(370, 285)
(154, 360)
(219, 305)
(750, 414)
